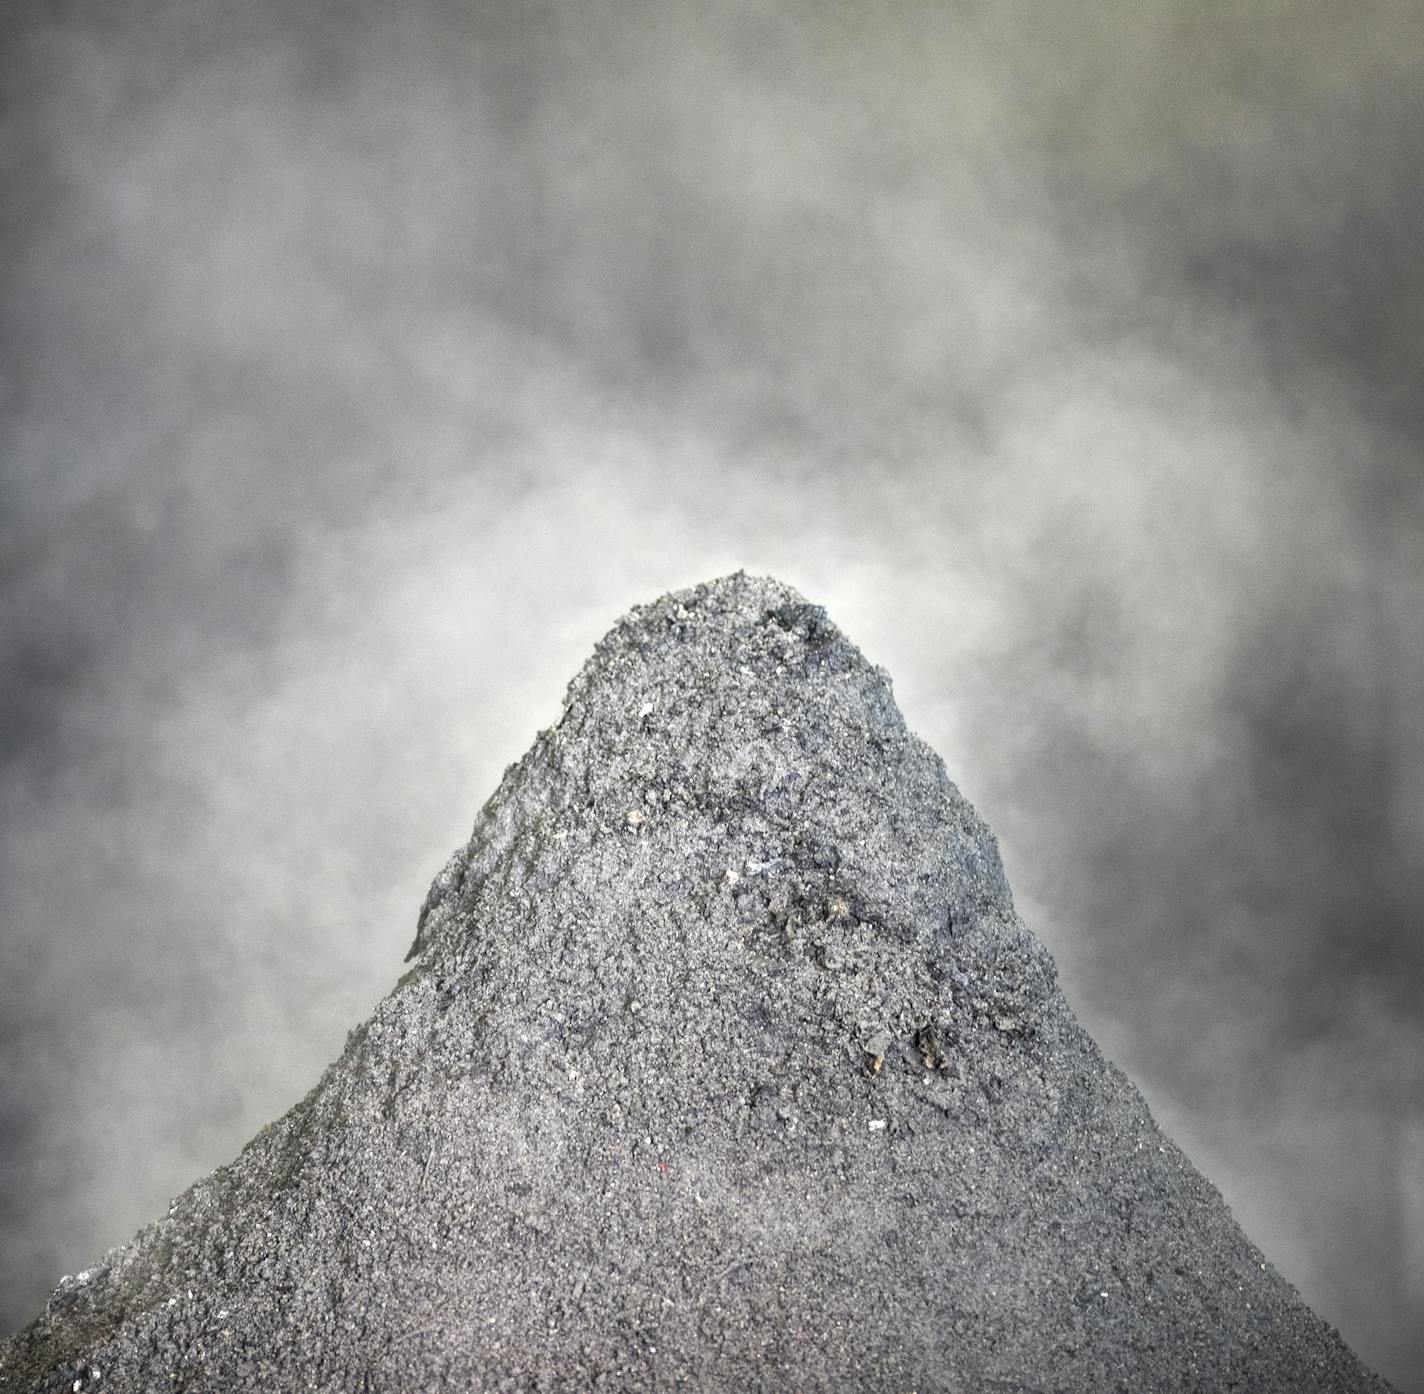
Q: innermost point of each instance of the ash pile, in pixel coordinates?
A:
(724, 1064)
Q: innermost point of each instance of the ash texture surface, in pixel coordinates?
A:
(725, 1064)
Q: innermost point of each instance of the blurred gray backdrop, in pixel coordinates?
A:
(362, 362)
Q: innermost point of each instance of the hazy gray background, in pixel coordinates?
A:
(362, 362)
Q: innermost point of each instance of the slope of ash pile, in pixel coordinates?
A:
(724, 1064)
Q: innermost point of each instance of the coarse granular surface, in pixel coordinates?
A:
(725, 1064)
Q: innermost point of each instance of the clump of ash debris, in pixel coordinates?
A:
(724, 1064)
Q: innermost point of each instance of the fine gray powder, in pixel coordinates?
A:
(724, 1064)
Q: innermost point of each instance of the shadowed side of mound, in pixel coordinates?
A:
(724, 1063)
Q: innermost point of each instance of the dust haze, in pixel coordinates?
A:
(362, 364)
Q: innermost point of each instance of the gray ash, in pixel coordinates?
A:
(725, 1064)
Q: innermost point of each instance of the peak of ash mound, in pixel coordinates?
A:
(724, 1064)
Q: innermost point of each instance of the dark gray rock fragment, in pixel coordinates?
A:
(725, 1064)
